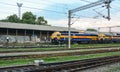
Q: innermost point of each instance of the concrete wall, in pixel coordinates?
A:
(24, 36)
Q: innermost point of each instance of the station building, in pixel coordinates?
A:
(21, 33)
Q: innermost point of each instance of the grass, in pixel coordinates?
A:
(114, 69)
(94, 45)
(32, 49)
(54, 59)
(54, 49)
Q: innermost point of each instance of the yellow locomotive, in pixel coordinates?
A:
(80, 38)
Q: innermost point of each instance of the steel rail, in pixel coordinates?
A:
(56, 54)
(68, 66)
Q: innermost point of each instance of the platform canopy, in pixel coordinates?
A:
(34, 27)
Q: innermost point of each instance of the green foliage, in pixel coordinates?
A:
(29, 18)
(41, 21)
(4, 20)
(11, 18)
(91, 30)
(73, 46)
(55, 59)
(113, 69)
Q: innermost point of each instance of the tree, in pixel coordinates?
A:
(41, 21)
(91, 30)
(29, 18)
(4, 20)
(12, 18)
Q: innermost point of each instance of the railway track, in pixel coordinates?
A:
(22, 68)
(35, 46)
(30, 50)
(69, 66)
(12, 56)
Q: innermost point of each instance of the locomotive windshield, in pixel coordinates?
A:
(58, 34)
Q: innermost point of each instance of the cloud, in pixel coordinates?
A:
(60, 22)
(84, 23)
(9, 7)
(63, 5)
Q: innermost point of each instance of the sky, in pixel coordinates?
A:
(56, 12)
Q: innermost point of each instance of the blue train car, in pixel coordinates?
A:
(84, 38)
(116, 38)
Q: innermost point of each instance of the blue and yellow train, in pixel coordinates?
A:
(61, 37)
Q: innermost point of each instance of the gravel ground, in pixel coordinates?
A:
(105, 68)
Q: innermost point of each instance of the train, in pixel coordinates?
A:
(62, 38)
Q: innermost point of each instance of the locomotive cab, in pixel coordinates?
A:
(104, 38)
(55, 37)
(101, 38)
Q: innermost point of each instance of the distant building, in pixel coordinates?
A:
(21, 33)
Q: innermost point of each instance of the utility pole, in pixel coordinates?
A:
(99, 2)
(109, 29)
(69, 30)
(108, 8)
(98, 29)
(19, 9)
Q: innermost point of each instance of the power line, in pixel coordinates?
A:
(80, 16)
(45, 10)
(116, 6)
(6, 12)
(34, 8)
(55, 2)
(76, 15)
(60, 6)
(86, 1)
(75, 20)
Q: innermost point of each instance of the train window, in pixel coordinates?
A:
(73, 34)
(58, 34)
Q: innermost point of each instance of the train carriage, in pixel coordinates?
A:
(61, 37)
(75, 38)
(104, 38)
(84, 38)
(116, 38)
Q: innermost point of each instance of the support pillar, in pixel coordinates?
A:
(7, 32)
(16, 35)
(25, 36)
(7, 38)
(40, 35)
(48, 36)
(33, 36)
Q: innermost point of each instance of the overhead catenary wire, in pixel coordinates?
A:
(86, 1)
(99, 13)
(116, 7)
(45, 10)
(62, 4)
(59, 12)
(66, 6)
(58, 5)
(77, 17)
(6, 12)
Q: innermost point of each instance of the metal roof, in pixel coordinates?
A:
(33, 27)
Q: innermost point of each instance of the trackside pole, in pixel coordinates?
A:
(69, 29)
(99, 2)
